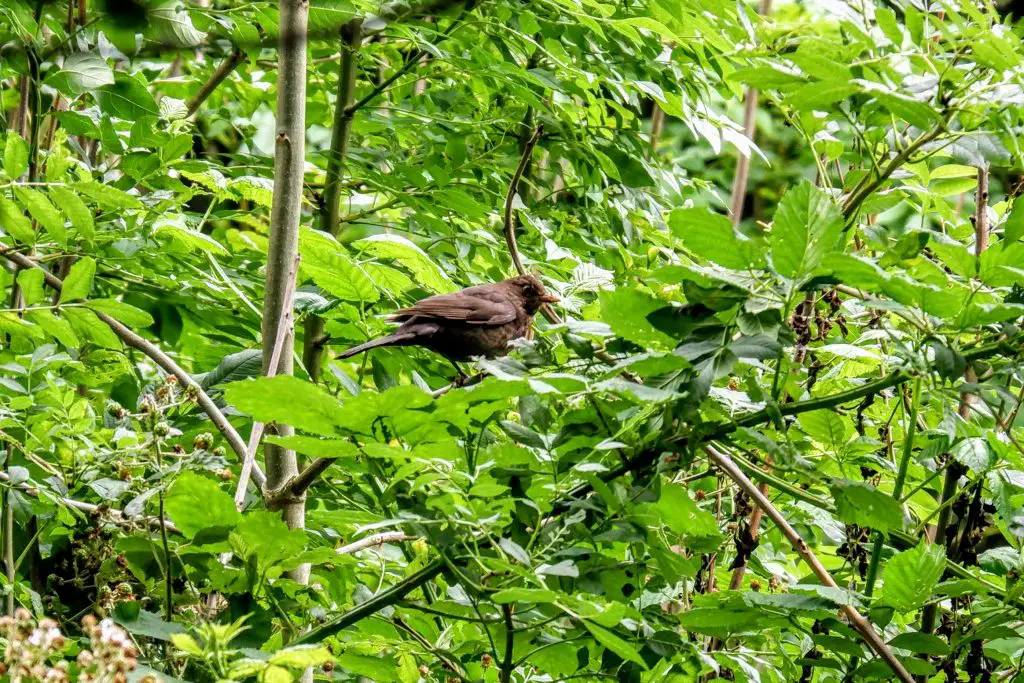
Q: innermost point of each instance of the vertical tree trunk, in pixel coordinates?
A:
(351, 38)
(289, 153)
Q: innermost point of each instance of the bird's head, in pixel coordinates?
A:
(532, 293)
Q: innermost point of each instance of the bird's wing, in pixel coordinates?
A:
(467, 307)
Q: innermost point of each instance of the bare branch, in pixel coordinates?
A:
(275, 358)
(236, 57)
(509, 223)
(857, 620)
(374, 541)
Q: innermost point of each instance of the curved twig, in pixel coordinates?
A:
(857, 620)
(509, 224)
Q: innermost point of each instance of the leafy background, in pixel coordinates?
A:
(841, 329)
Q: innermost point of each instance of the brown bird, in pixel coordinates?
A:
(476, 321)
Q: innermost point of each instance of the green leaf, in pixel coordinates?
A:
(424, 270)
(15, 156)
(622, 648)
(126, 98)
(301, 656)
(15, 223)
(1014, 226)
(82, 72)
(192, 240)
(911, 576)
(195, 503)
(107, 196)
(31, 283)
(315, 447)
(324, 262)
(711, 236)
(139, 622)
(122, 312)
(287, 400)
(79, 280)
(43, 211)
(975, 453)
(923, 643)
(808, 225)
(58, 328)
(76, 211)
(233, 367)
(86, 325)
(263, 535)
(531, 595)
(626, 310)
(864, 505)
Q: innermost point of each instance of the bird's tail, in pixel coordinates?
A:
(390, 340)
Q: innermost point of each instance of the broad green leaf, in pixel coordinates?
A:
(530, 595)
(287, 400)
(15, 156)
(126, 98)
(139, 622)
(76, 211)
(122, 312)
(910, 576)
(808, 225)
(861, 504)
(622, 648)
(15, 223)
(1014, 226)
(974, 452)
(315, 447)
(324, 262)
(426, 272)
(31, 283)
(626, 310)
(195, 503)
(264, 535)
(58, 328)
(107, 197)
(711, 236)
(86, 325)
(79, 280)
(175, 228)
(82, 72)
(301, 656)
(43, 211)
(923, 643)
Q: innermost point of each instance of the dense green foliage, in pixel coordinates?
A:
(852, 342)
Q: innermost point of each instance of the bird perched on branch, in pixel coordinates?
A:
(476, 321)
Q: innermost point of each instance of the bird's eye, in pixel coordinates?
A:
(529, 289)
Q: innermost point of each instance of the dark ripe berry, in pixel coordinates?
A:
(327, 667)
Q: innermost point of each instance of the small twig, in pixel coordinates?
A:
(509, 223)
(374, 541)
(275, 358)
(151, 350)
(739, 182)
(857, 620)
(236, 57)
(454, 670)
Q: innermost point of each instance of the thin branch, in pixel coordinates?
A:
(374, 541)
(867, 632)
(739, 182)
(509, 222)
(955, 470)
(231, 63)
(454, 669)
(275, 358)
(337, 155)
(867, 186)
(508, 663)
(650, 456)
(151, 350)
(389, 597)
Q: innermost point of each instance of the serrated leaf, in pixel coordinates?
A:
(626, 311)
(975, 453)
(864, 505)
(195, 503)
(712, 237)
(126, 98)
(426, 273)
(287, 400)
(234, 367)
(911, 576)
(808, 225)
(87, 325)
(1013, 229)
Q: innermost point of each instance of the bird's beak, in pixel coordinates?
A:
(550, 299)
